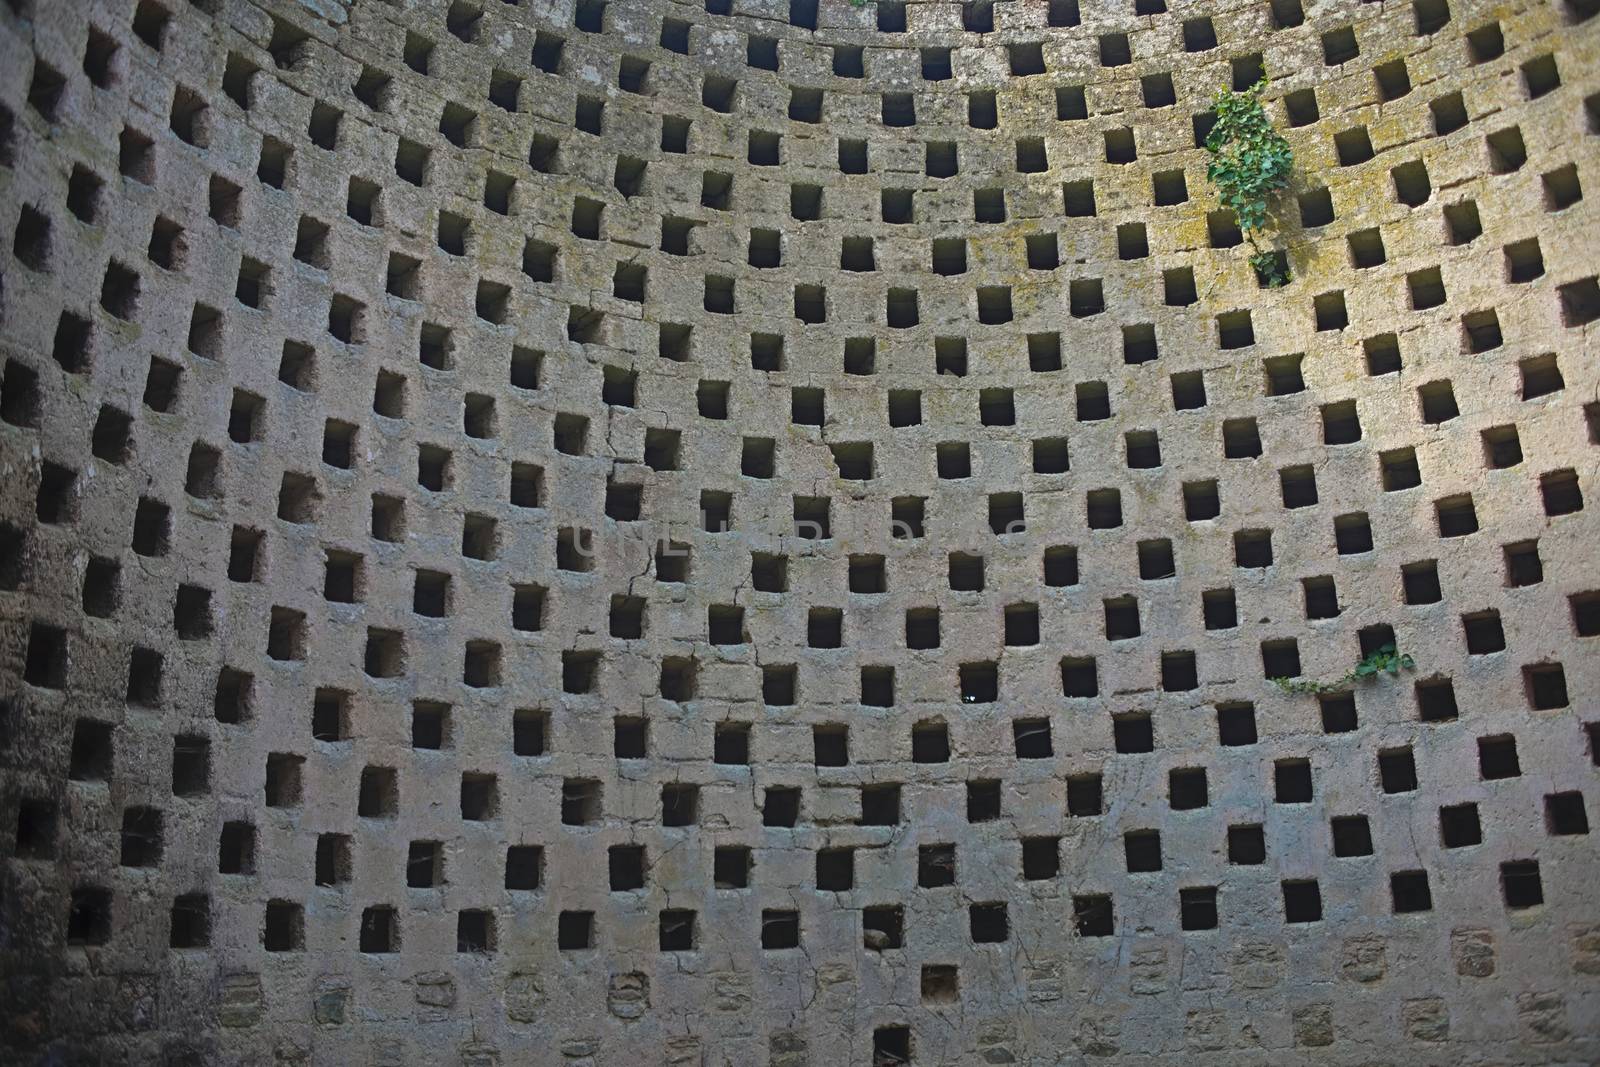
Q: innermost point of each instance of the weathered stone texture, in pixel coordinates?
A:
(727, 532)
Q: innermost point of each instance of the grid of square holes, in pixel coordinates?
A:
(511, 447)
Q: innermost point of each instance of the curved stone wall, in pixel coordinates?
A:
(758, 532)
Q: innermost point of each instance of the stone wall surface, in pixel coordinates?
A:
(759, 532)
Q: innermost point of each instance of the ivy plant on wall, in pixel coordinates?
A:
(1250, 161)
(1385, 660)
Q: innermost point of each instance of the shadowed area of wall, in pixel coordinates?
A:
(761, 532)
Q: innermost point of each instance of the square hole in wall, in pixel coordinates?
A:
(1521, 885)
(1220, 609)
(1564, 814)
(1523, 567)
(1456, 516)
(1431, 16)
(1421, 582)
(580, 801)
(780, 929)
(430, 724)
(1236, 724)
(1397, 770)
(780, 806)
(1302, 902)
(1079, 677)
(1041, 858)
(529, 731)
(1292, 781)
(378, 796)
(1197, 908)
(1580, 302)
(1186, 789)
(283, 790)
(1031, 738)
(1199, 35)
(1085, 795)
(1352, 836)
(1133, 732)
(936, 866)
(1120, 146)
(1561, 188)
(575, 931)
(1540, 76)
(1247, 845)
(1545, 685)
(835, 869)
(332, 860)
(1497, 757)
(940, 984)
(731, 865)
(1093, 916)
(1393, 80)
(1449, 114)
(1507, 152)
(1248, 70)
(1188, 391)
(1201, 501)
(1132, 241)
(1399, 470)
(830, 745)
(1459, 826)
(988, 923)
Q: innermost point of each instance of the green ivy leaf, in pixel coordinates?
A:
(1250, 159)
(1382, 660)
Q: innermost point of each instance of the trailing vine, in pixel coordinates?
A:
(1250, 161)
(1383, 660)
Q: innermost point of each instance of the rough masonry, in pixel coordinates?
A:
(759, 532)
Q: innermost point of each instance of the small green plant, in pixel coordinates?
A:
(1384, 660)
(1250, 161)
(1272, 271)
